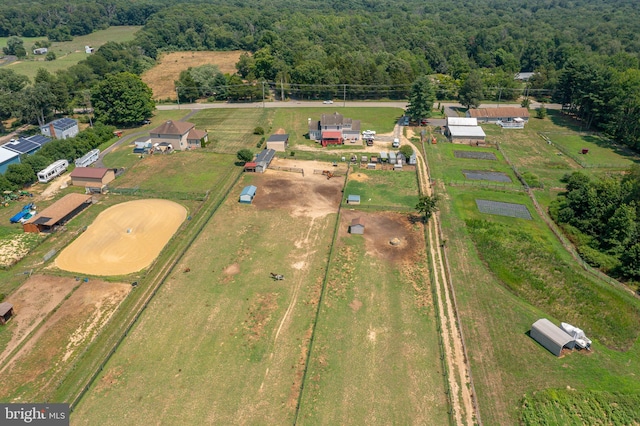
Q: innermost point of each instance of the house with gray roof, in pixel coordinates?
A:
(181, 135)
(61, 128)
(332, 127)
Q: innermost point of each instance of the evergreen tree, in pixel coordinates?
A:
(421, 98)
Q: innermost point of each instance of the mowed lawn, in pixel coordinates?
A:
(68, 53)
(222, 343)
(192, 172)
(445, 166)
(383, 188)
(375, 357)
(295, 121)
(231, 130)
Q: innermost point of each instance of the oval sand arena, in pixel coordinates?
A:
(124, 238)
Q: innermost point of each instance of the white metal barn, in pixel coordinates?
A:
(551, 336)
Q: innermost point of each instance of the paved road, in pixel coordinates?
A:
(316, 104)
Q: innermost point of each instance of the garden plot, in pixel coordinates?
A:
(504, 209)
(475, 155)
(486, 175)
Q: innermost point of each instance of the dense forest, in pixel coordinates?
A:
(585, 53)
(601, 216)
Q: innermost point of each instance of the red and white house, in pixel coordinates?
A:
(334, 129)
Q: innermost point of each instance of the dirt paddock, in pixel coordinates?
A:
(311, 195)
(124, 238)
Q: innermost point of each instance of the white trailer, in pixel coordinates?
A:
(53, 170)
(88, 159)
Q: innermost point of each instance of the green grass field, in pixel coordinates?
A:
(601, 153)
(231, 130)
(375, 357)
(68, 53)
(509, 274)
(232, 340)
(295, 120)
(383, 188)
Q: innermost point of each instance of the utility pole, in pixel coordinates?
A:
(499, 97)
(281, 88)
(262, 93)
(344, 95)
(178, 96)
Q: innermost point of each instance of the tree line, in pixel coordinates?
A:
(602, 218)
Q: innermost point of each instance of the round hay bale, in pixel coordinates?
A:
(395, 242)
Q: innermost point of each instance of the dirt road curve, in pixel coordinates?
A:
(459, 376)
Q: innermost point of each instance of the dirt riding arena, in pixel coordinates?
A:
(124, 238)
(311, 195)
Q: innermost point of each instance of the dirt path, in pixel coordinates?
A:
(459, 375)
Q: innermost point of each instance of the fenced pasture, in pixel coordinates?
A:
(192, 172)
(226, 339)
(33, 373)
(295, 121)
(450, 162)
(508, 276)
(231, 130)
(503, 209)
(68, 53)
(375, 356)
(383, 188)
(602, 153)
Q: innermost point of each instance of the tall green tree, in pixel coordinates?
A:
(421, 98)
(472, 90)
(15, 46)
(122, 99)
(427, 205)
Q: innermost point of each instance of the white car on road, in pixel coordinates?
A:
(327, 102)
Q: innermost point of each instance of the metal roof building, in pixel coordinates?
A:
(462, 121)
(22, 146)
(247, 194)
(551, 336)
(466, 133)
(7, 157)
(357, 226)
(278, 142)
(263, 159)
(60, 211)
(353, 199)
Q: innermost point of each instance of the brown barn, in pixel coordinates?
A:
(60, 211)
(92, 177)
(6, 312)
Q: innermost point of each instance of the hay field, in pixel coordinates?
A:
(161, 77)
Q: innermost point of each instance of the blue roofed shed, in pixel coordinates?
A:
(247, 194)
(353, 199)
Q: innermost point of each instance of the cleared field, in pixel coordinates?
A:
(162, 77)
(68, 52)
(124, 238)
(231, 130)
(295, 120)
(376, 357)
(33, 373)
(383, 188)
(224, 343)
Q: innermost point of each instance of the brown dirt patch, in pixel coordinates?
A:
(161, 78)
(380, 229)
(232, 269)
(303, 196)
(55, 345)
(355, 305)
(124, 238)
(32, 302)
(259, 314)
(360, 177)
